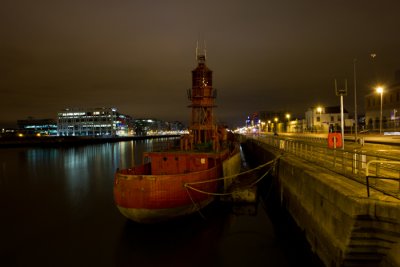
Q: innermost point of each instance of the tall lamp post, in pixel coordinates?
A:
(288, 120)
(341, 93)
(355, 101)
(379, 90)
(319, 109)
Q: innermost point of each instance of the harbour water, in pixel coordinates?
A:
(57, 209)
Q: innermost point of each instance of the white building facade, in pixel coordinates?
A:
(322, 119)
(91, 122)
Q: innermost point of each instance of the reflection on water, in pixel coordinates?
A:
(57, 210)
(191, 241)
(223, 239)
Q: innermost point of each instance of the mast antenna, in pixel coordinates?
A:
(197, 50)
(205, 50)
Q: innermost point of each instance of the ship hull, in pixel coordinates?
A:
(142, 215)
(150, 198)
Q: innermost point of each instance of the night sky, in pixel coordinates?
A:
(138, 56)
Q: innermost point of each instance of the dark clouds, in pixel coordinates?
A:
(138, 55)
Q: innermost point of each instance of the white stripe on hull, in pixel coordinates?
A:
(159, 215)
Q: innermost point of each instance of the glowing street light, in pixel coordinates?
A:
(260, 126)
(288, 120)
(269, 126)
(319, 110)
(379, 90)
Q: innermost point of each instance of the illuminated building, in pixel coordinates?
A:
(155, 127)
(92, 122)
(321, 119)
(273, 120)
(390, 106)
(38, 126)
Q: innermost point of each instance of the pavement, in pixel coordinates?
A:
(376, 147)
(378, 144)
(388, 139)
(388, 145)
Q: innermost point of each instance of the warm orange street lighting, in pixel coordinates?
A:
(379, 90)
(288, 120)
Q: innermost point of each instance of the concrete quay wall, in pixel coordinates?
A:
(342, 225)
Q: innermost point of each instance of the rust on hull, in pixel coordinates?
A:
(143, 191)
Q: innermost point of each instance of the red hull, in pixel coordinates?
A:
(143, 194)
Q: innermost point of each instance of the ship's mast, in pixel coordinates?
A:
(202, 96)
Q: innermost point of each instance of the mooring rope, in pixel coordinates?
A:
(234, 175)
(195, 204)
(259, 179)
(225, 194)
(205, 192)
(189, 185)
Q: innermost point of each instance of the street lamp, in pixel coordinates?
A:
(288, 120)
(355, 100)
(319, 109)
(379, 90)
(276, 124)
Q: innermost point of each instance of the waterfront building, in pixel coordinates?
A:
(322, 119)
(296, 126)
(157, 127)
(272, 115)
(92, 122)
(33, 126)
(390, 106)
(272, 121)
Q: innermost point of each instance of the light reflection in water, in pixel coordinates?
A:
(57, 210)
(83, 170)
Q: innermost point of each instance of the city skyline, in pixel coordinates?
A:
(138, 56)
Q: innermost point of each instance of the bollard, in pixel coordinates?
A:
(355, 162)
(360, 141)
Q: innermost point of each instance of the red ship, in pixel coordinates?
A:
(182, 180)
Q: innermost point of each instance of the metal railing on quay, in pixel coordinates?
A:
(351, 163)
